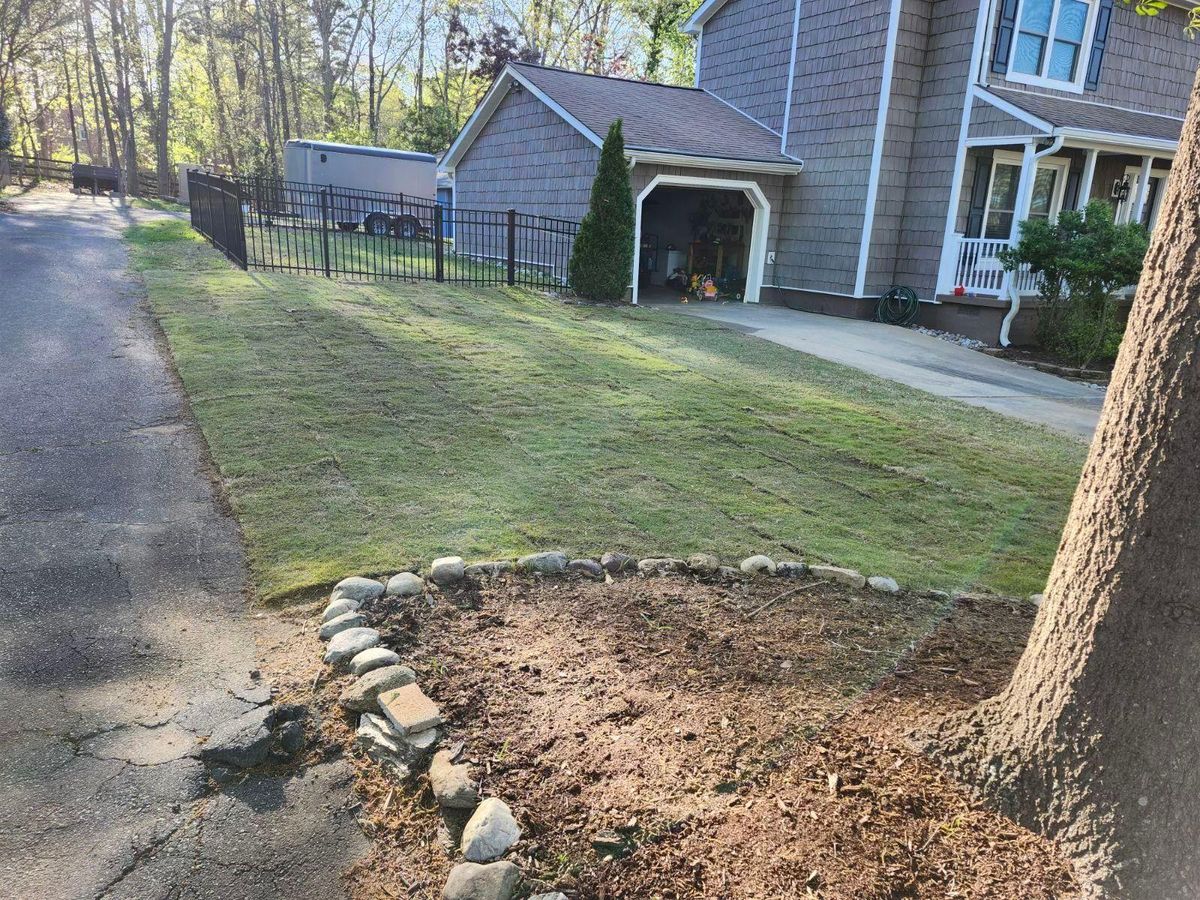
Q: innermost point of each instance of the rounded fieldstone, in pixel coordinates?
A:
(339, 608)
(341, 623)
(490, 832)
(661, 565)
(447, 570)
(364, 590)
(884, 584)
(614, 562)
(554, 895)
(791, 569)
(758, 565)
(848, 577)
(588, 567)
(375, 658)
(453, 786)
(703, 563)
(405, 584)
(347, 644)
(363, 694)
(291, 738)
(550, 562)
(490, 569)
(472, 881)
(1037, 599)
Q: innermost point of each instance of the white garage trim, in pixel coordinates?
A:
(758, 231)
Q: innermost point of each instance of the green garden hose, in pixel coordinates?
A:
(898, 306)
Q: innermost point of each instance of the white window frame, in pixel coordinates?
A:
(1085, 51)
(1125, 208)
(1007, 158)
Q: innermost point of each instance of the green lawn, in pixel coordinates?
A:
(361, 428)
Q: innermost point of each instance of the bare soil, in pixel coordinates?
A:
(668, 738)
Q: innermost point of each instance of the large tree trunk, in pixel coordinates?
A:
(1096, 741)
(162, 143)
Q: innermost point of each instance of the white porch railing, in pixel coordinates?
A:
(978, 269)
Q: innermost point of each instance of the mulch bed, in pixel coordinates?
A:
(667, 738)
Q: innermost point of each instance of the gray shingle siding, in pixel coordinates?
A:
(745, 56)
(988, 122)
(528, 158)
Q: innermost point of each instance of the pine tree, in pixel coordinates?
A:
(602, 260)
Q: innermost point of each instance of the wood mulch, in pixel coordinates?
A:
(668, 738)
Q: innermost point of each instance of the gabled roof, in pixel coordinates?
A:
(1107, 124)
(683, 126)
(703, 13)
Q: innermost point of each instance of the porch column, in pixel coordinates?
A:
(1024, 189)
(1085, 181)
(1143, 189)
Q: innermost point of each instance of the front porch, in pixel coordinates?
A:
(1005, 183)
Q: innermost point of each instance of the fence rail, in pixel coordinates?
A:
(43, 168)
(311, 229)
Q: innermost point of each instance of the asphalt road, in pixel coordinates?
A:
(124, 632)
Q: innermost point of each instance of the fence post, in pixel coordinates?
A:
(512, 246)
(325, 229)
(439, 262)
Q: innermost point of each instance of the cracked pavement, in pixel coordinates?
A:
(125, 636)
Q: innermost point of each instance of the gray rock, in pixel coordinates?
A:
(556, 895)
(661, 565)
(791, 569)
(347, 644)
(758, 565)
(614, 562)
(338, 608)
(341, 623)
(490, 569)
(291, 738)
(364, 590)
(550, 562)
(453, 786)
(884, 584)
(387, 746)
(375, 658)
(729, 573)
(405, 584)
(242, 741)
(703, 563)
(363, 694)
(588, 567)
(490, 833)
(838, 575)
(408, 709)
(471, 881)
(1037, 599)
(447, 570)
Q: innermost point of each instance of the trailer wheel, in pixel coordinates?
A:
(378, 224)
(406, 226)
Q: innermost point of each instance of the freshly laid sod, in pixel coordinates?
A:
(363, 428)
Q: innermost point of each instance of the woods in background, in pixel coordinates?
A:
(150, 83)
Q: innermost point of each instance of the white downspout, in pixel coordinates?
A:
(1014, 298)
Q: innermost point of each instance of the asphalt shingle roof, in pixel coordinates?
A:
(1064, 113)
(657, 116)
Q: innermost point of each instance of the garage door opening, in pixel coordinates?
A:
(699, 239)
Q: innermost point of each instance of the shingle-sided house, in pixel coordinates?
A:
(829, 151)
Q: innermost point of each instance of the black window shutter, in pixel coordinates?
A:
(1103, 20)
(979, 189)
(1004, 35)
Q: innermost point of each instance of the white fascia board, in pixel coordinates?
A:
(665, 158)
(696, 21)
(491, 102)
(1107, 140)
(1012, 109)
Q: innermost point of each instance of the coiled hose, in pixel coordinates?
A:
(898, 306)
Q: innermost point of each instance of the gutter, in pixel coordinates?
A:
(1014, 298)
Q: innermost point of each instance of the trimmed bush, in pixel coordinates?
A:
(602, 260)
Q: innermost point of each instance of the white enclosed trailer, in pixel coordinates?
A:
(354, 171)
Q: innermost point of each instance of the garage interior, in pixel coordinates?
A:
(691, 237)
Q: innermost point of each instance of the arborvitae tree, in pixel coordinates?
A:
(602, 262)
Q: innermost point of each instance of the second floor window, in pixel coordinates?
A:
(1050, 42)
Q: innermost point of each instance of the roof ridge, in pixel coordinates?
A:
(677, 87)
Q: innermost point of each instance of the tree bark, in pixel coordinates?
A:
(1096, 740)
(166, 49)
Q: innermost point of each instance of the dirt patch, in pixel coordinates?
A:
(665, 738)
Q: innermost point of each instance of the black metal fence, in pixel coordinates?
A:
(310, 229)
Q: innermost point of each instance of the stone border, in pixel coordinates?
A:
(400, 728)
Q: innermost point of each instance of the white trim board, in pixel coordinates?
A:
(757, 257)
(696, 20)
(791, 81)
(665, 158)
(885, 96)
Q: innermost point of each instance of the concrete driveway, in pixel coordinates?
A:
(124, 633)
(920, 361)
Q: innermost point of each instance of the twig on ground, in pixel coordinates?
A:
(790, 593)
